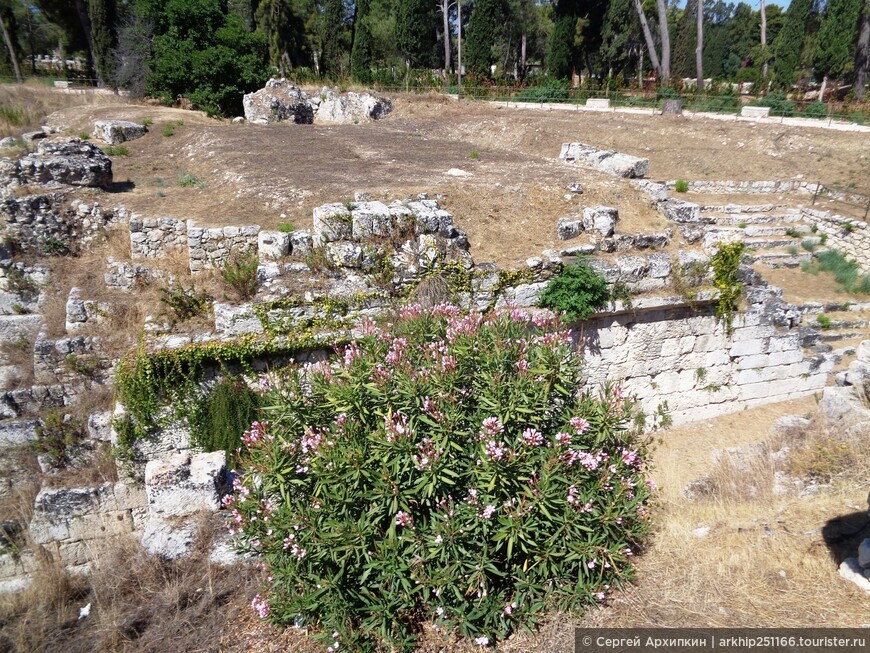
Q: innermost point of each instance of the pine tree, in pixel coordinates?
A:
(104, 18)
(789, 41)
(835, 46)
(617, 33)
(283, 23)
(484, 28)
(361, 52)
(415, 31)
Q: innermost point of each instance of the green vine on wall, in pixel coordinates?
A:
(726, 279)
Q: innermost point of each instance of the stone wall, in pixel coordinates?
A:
(211, 248)
(686, 359)
(748, 187)
(851, 237)
(156, 237)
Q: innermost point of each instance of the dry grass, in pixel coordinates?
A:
(25, 106)
(138, 603)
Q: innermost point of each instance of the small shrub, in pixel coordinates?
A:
(823, 239)
(726, 264)
(147, 122)
(814, 228)
(116, 150)
(185, 303)
(239, 274)
(318, 261)
(578, 292)
(427, 473)
(286, 227)
(19, 309)
(686, 280)
(700, 374)
(821, 458)
(56, 434)
(84, 136)
(20, 283)
(14, 116)
(848, 227)
(794, 233)
(621, 293)
(188, 179)
(86, 366)
(743, 225)
(218, 419)
(823, 321)
(53, 246)
(169, 129)
(473, 154)
(809, 244)
(845, 271)
(778, 102)
(816, 110)
(792, 249)
(681, 186)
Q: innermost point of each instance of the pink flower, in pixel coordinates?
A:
(630, 457)
(651, 484)
(397, 427)
(580, 425)
(404, 519)
(491, 426)
(495, 450)
(563, 439)
(483, 640)
(533, 437)
(488, 511)
(259, 605)
(591, 564)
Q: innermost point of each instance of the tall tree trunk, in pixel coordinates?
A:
(666, 41)
(862, 56)
(11, 47)
(647, 35)
(699, 49)
(85, 21)
(763, 39)
(522, 69)
(823, 89)
(445, 14)
(459, 48)
(640, 68)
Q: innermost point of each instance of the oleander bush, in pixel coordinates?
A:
(446, 468)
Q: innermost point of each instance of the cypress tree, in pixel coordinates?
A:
(835, 46)
(361, 51)
(484, 29)
(563, 57)
(789, 41)
(616, 35)
(331, 33)
(282, 22)
(104, 18)
(685, 40)
(415, 31)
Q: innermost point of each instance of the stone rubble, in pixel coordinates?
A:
(115, 132)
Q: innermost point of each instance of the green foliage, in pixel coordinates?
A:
(361, 51)
(84, 136)
(551, 90)
(473, 154)
(189, 180)
(239, 274)
(104, 24)
(415, 33)
(286, 227)
(789, 42)
(169, 128)
(681, 186)
(331, 37)
(484, 28)
(116, 150)
(20, 283)
(185, 303)
(147, 122)
(823, 321)
(848, 227)
(621, 293)
(86, 366)
(14, 116)
(818, 110)
(794, 233)
(56, 434)
(53, 246)
(846, 271)
(447, 470)
(834, 54)
(809, 244)
(779, 104)
(578, 292)
(206, 56)
(218, 419)
(726, 279)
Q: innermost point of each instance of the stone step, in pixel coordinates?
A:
(769, 243)
(742, 208)
(781, 259)
(772, 229)
(815, 308)
(838, 325)
(752, 218)
(836, 336)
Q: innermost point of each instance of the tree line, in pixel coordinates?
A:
(210, 51)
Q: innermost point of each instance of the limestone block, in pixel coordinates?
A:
(272, 245)
(678, 210)
(371, 219)
(182, 485)
(851, 571)
(301, 243)
(345, 254)
(332, 222)
(15, 433)
(96, 526)
(754, 112)
(601, 219)
(625, 165)
(169, 540)
(568, 228)
(863, 351)
(115, 132)
(236, 320)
